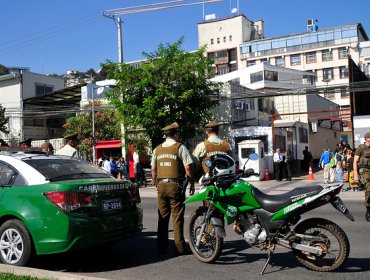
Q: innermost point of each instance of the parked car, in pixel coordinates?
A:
(55, 204)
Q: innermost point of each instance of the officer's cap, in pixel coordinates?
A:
(26, 142)
(367, 135)
(47, 146)
(172, 127)
(72, 136)
(212, 124)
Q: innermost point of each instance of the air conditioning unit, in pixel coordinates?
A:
(52, 131)
(239, 105)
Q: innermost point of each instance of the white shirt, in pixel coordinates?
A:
(68, 151)
(106, 166)
(278, 157)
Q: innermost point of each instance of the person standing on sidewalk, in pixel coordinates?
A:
(339, 165)
(278, 164)
(288, 165)
(361, 170)
(324, 163)
(171, 161)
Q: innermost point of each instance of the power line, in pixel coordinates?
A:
(46, 34)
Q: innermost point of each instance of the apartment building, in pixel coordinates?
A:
(323, 52)
(222, 38)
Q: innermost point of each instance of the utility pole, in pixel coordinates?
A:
(119, 31)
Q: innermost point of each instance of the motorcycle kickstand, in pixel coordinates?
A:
(268, 259)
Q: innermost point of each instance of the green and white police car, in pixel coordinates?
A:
(54, 204)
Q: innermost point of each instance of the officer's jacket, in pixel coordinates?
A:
(213, 149)
(169, 165)
(364, 154)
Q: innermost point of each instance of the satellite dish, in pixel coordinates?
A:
(100, 90)
(234, 10)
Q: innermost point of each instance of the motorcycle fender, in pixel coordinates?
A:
(219, 227)
(196, 197)
(339, 205)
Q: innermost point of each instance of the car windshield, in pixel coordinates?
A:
(57, 169)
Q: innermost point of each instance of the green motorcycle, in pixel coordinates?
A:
(264, 220)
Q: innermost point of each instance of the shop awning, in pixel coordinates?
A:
(108, 144)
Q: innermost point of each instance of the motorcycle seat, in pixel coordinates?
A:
(273, 203)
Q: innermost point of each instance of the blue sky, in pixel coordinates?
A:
(54, 36)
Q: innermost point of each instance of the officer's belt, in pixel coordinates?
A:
(168, 180)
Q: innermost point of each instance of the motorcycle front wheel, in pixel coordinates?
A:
(327, 236)
(210, 246)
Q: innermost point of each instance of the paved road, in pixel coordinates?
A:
(137, 258)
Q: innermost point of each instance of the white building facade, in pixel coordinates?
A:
(14, 89)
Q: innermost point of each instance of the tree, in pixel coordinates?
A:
(3, 70)
(107, 127)
(3, 121)
(172, 85)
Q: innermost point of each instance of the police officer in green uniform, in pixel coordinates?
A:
(361, 170)
(213, 145)
(171, 162)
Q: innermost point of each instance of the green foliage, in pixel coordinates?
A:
(8, 276)
(3, 121)
(107, 127)
(172, 85)
(3, 70)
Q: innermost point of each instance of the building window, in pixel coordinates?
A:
(232, 54)
(212, 41)
(222, 70)
(256, 77)
(280, 61)
(308, 79)
(42, 89)
(233, 67)
(328, 74)
(271, 75)
(33, 122)
(251, 63)
(225, 39)
(343, 71)
(303, 135)
(218, 40)
(230, 38)
(311, 57)
(265, 61)
(344, 93)
(342, 53)
(295, 59)
(329, 95)
(327, 55)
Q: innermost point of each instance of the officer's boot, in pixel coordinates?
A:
(367, 215)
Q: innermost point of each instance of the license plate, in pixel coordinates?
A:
(112, 204)
(341, 207)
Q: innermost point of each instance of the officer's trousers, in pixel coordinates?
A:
(365, 180)
(170, 199)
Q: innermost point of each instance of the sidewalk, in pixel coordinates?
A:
(274, 187)
(44, 274)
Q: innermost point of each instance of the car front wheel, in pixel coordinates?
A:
(15, 243)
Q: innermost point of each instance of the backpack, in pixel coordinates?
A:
(333, 162)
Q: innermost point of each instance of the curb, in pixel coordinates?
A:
(43, 274)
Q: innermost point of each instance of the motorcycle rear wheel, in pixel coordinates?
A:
(331, 239)
(210, 247)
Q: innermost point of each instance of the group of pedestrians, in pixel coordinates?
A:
(283, 165)
(356, 163)
(336, 164)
